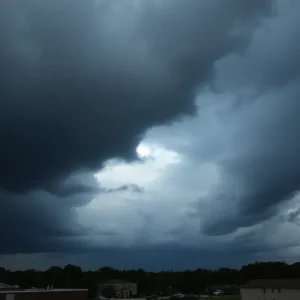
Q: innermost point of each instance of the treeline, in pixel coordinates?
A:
(188, 281)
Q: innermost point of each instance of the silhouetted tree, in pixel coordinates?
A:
(188, 281)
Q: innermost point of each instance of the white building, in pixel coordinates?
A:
(6, 286)
(271, 289)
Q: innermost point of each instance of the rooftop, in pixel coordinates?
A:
(117, 281)
(293, 283)
(43, 291)
(7, 286)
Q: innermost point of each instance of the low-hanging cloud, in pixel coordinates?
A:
(81, 82)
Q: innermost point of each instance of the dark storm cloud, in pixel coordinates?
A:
(87, 184)
(81, 82)
(259, 163)
(272, 60)
(169, 257)
(262, 168)
(158, 258)
(292, 216)
(135, 188)
(32, 222)
(40, 222)
(76, 184)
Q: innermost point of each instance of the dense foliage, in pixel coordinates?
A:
(189, 281)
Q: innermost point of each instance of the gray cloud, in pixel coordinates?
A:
(134, 188)
(33, 223)
(41, 222)
(87, 184)
(80, 86)
(260, 167)
(292, 216)
(161, 257)
(271, 60)
(248, 128)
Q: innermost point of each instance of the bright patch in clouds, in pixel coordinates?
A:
(134, 216)
(146, 173)
(143, 151)
(171, 183)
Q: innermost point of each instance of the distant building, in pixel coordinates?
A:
(122, 288)
(41, 294)
(4, 286)
(271, 289)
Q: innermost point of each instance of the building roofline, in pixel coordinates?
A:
(42, 291)
(116, 281)
(284, 283)
(7, 285)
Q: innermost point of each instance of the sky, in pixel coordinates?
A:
(156, 134)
